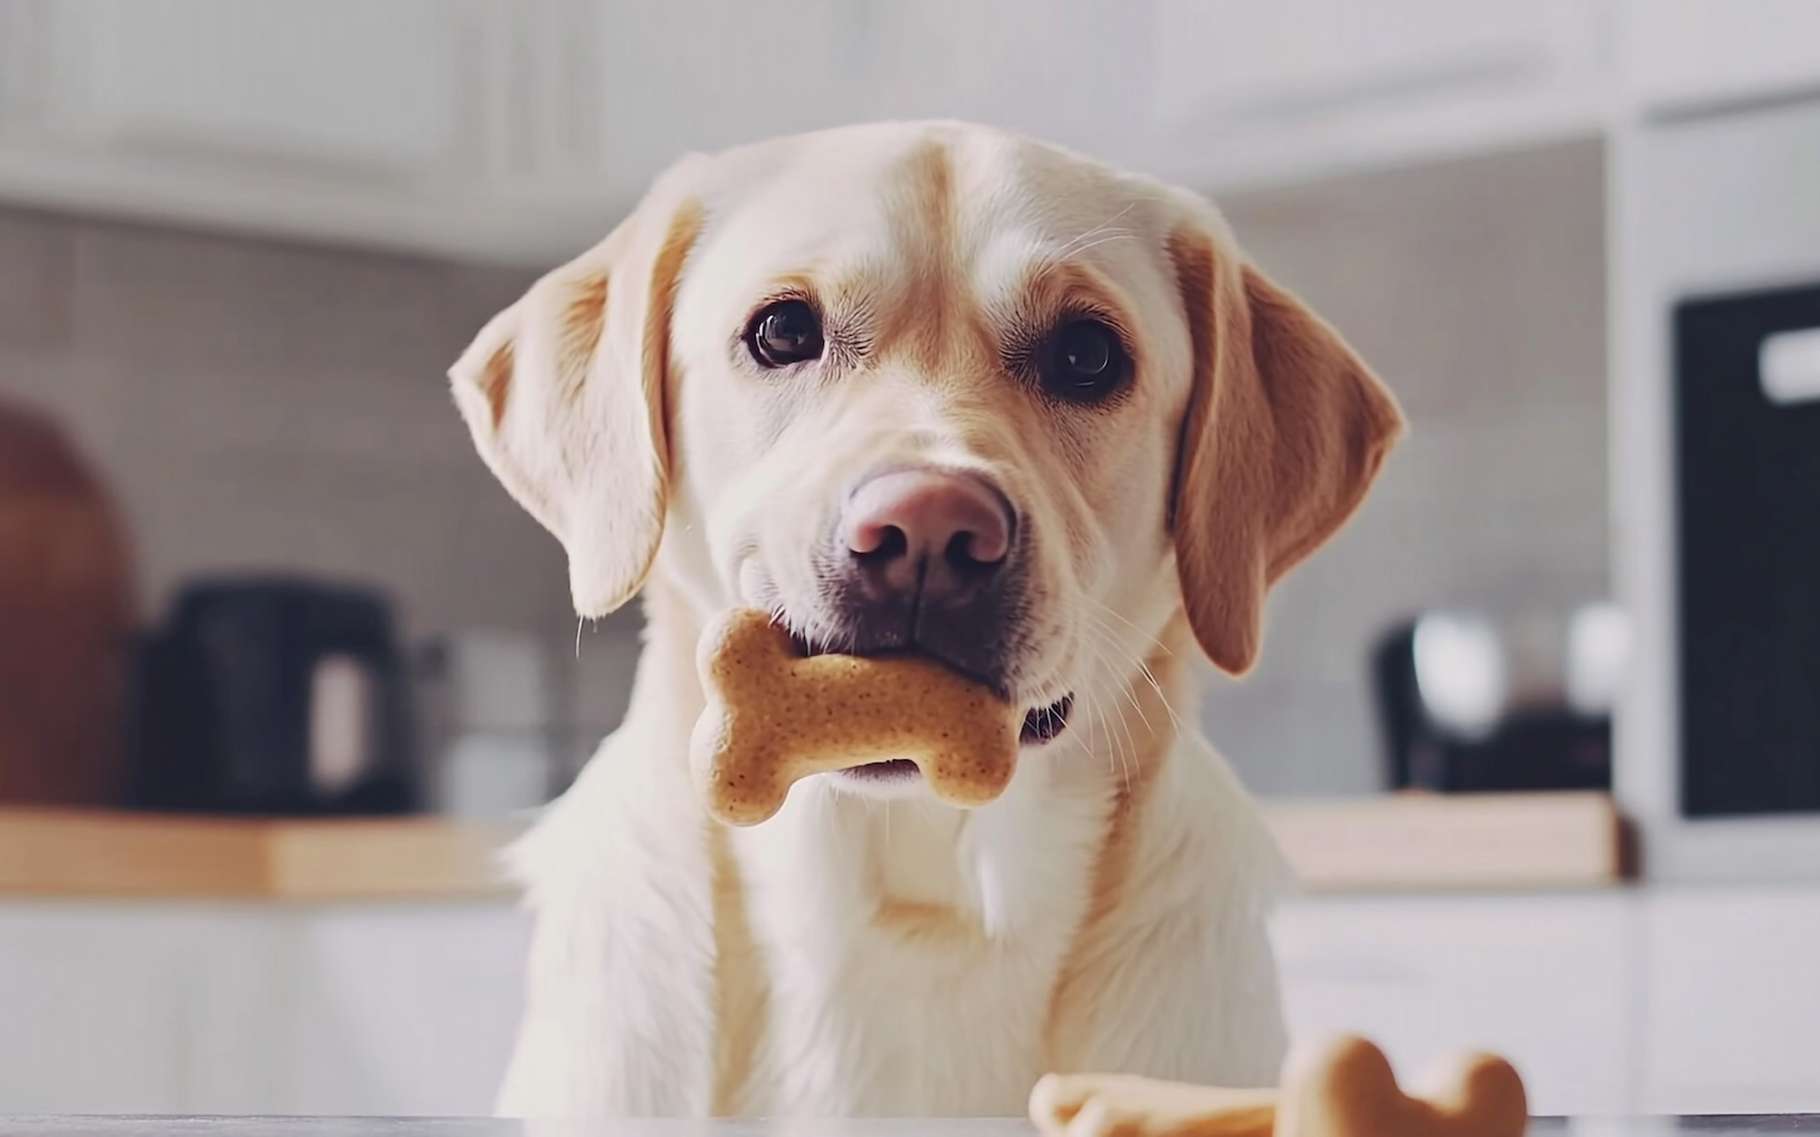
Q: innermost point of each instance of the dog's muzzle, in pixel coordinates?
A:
(926, 559)
(931, 560)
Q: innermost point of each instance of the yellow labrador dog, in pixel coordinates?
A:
(939, 388)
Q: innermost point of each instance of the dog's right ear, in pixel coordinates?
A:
(564, 393)
(1285, 430)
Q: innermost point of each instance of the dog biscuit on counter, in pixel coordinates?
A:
(1343, 1088)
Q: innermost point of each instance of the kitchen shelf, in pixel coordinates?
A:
(1396, 843)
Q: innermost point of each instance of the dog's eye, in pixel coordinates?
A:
(1085, 361)
(783, 333)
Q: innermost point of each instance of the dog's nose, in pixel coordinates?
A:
(928, 532)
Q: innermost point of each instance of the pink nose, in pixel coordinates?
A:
(939, 528)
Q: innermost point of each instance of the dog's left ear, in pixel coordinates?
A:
(564, 393)
(1284, 432)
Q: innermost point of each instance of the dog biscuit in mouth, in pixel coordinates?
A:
(774, 716)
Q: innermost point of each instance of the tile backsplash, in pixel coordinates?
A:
(256, 404)
(1476, 290)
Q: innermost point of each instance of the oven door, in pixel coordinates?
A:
(1747, 449)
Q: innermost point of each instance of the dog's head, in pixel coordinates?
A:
(936, 388)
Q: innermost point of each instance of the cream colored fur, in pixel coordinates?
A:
(881, 953)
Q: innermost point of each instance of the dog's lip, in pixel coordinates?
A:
(890, 770)
(1043, 725)
(808, 651)
(1053, 715)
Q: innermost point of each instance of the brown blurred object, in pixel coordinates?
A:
(66, 617)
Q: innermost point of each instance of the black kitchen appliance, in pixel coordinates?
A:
(274, 696)
(1469, 702)
(1747, 450)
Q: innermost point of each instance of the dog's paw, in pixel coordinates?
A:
(1118, 1105)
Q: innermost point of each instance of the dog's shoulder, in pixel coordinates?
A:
(619, 876)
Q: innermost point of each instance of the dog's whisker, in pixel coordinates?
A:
(1106, 240)
(1131, 697)
(1137, 662)
(1111, 641)
(1093, 723)
(1081, 244)
(1130, 744)
(1114, 760)
(1161, 696)
(1097, 229)
(1149, 639)
(1103, 720)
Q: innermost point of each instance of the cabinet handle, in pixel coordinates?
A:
(1788, 365)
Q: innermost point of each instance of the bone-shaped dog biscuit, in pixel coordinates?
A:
(774, 716)
(1345, 1088)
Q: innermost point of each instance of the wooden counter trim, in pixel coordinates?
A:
(56, 852)
(1420, 842)
(1402, 843)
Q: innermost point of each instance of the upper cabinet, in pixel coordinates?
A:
(1690, 56)
(522, 130)
(705, 73)
(1260, 90)
(437, 124)
(373, 90)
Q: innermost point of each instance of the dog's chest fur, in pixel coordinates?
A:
(852, 958)
(910, 954)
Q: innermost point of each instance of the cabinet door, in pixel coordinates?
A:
(1685, 54)
(94, 1007)
(1241, 59)
(405, 1009)
(381, 89)
(1248, 91)
(1540, 979)
(1733, 996)
(176, 1008)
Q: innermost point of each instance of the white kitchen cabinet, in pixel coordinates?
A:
(1252, 90)
(521, 131)
(370, 90)
(1543, 979)
(1609, 1001)
(445, 125)
(91, 1004)
(407, 1010)
(151, 1007)
(1733, 999)
(1240, 57)
(702, 74)
(1684, 56)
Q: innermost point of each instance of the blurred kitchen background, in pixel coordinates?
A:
(280, 662)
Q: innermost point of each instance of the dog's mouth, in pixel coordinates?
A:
(1042, 725)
